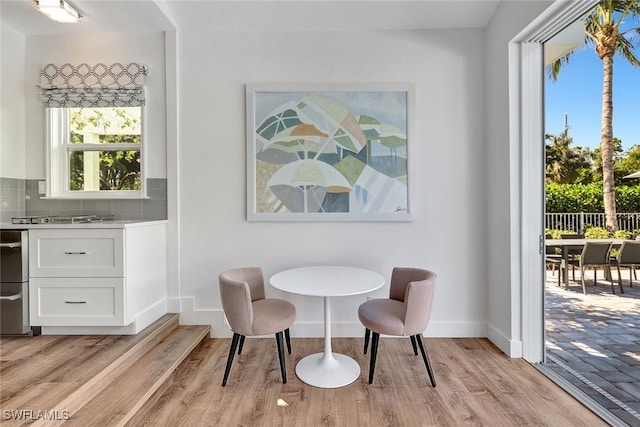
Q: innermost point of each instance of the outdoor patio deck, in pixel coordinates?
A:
(593, 341)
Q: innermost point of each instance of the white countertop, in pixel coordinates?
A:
(104, 224)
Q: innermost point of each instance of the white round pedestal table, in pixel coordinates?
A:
(327, 369)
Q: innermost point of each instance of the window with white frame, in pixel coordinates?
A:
(96, 149)
(94, 130)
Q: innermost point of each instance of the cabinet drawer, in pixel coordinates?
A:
(76, 253)
(77, 302)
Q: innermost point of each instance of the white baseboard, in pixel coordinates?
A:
(512, 348)
(173, 305)
(150, 315)
(190, 315)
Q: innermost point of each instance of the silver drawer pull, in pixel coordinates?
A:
(10, 245)
(75, 253)
(75, 302)
(11, 297)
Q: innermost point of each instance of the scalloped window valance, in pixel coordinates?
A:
(100, 85)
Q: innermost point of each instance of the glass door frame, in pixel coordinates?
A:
(526, 140)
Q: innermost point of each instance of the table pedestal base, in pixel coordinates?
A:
(331, 370)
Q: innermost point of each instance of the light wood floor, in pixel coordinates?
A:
(477, 385)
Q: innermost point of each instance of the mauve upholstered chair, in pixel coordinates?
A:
(249, 313)
(405, 313)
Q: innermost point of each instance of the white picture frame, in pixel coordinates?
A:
(328, 152)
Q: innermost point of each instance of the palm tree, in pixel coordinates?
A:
(603, 33)
(566, 165)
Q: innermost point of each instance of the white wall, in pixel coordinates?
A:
(146, 48)
(459, 166)
(447, 170)
(12, 118)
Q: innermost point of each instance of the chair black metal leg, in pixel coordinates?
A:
(232, 352)
(374, 353)
(367, 333)
(413, 344)
(287, 338)
(426, 359)
(241, 344)
(280, 346)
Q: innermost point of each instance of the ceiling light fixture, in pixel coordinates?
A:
(58, 10)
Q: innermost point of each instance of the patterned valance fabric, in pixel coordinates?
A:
(100, 85)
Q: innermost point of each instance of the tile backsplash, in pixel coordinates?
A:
(12, 198)
(20, 197)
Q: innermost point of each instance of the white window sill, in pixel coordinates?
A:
(95, 197)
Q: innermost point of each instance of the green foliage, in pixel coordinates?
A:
(557, 234)
(570, 198)
(592, 232)
(627, 164)
(574, 198)
(118, 169)
(597, 233)
(622, 234)
(564, 164)
(627, 198)
(577, 165)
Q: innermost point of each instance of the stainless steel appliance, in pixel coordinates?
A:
(14, 283)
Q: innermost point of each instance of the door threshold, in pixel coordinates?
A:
(580, 396)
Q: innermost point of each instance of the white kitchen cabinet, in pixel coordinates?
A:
(75, 301)
(77, 253)
(97, 280)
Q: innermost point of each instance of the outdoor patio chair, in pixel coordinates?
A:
(628, 256)
(405, 313)
(574, 254)
(249, 313)
(552, 259)
(595, 254)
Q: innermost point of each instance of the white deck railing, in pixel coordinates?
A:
(577, 221)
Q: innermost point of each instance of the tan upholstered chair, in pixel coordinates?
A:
(249, 313)
(405, 313)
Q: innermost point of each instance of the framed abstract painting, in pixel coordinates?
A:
(328, 152)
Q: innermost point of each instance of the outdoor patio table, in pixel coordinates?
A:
(327, 369)
(567, 244)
